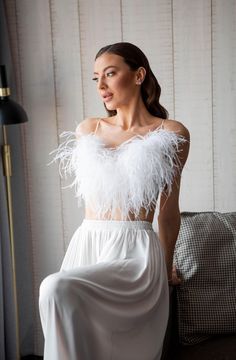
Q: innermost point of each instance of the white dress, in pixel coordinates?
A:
(110, 298)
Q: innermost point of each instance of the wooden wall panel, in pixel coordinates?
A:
(148, 24)
(34, 34)
(68, 94)
(193, 98)
(100, 25)
(224, 103)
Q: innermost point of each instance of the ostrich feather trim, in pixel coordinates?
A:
(126, 178)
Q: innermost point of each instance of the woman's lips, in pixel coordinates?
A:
(107, 97)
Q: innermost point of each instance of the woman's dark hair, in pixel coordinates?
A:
(150, 88)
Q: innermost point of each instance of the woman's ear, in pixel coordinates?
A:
(140, 75)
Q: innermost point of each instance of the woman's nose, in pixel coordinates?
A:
(101, 83)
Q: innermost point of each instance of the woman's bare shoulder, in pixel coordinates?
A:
(178, 127)
(86, 126)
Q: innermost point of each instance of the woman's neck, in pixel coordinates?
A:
(132, 116)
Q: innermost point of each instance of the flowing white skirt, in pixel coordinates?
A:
(110, 299)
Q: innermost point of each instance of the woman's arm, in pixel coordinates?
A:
(169, 213)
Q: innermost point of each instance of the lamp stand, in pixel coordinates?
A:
(8, 173)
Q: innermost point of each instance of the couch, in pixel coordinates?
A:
(202, 319)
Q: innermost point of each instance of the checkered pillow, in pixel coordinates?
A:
(205, 257)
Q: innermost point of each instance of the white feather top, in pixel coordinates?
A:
(128, 177)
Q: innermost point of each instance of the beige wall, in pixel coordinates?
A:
(192, 50)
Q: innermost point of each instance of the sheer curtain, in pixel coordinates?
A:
(21, 231)
(7, 323)
(7, 316)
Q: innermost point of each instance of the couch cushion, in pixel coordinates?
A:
(205, 257)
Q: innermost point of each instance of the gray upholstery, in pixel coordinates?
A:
(205, 256)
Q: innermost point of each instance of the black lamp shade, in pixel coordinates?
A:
(10, 112)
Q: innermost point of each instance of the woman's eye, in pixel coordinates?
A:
(110, 73)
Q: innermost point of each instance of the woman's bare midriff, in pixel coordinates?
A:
(90, 214)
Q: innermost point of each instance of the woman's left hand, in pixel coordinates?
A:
(175, 279)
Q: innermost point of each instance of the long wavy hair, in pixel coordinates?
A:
(150, 88)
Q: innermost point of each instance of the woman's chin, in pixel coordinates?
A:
(109, 106)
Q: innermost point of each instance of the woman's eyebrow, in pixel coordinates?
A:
(107, 67)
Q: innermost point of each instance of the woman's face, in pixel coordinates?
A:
(116, 82)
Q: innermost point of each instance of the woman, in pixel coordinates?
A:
(110, 298)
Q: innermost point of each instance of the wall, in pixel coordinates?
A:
(192, 51)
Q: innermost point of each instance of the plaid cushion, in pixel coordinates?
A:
(205, 257)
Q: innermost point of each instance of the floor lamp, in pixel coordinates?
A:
(10, 113)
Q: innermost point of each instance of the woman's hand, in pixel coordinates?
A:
(174, 279)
